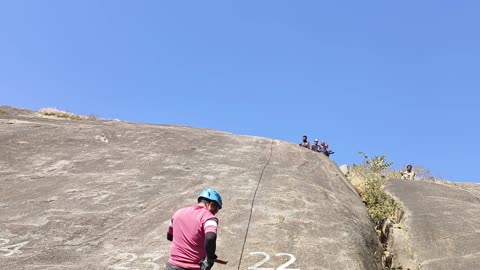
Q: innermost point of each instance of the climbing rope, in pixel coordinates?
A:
(251, 207)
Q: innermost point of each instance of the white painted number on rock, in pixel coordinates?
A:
(267, 258)
(154, 266)
(151, 261)
(127, 259)
(260, 263)
(10, 249)
(291, 261)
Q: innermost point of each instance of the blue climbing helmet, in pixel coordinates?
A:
(211, 195)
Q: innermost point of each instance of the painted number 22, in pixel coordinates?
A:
(267, 258)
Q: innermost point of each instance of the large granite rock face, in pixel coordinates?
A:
(99, 195)
(441, 225)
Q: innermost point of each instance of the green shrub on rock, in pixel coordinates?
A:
(380, 205)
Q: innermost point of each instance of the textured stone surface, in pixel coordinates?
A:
(442, 225)
(99, 194)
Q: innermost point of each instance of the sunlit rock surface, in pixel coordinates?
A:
(441, 226)
(81, 194)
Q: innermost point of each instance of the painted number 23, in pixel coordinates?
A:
(267, 258)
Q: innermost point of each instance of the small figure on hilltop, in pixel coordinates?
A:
(315, 147)
(193, 232)
(305, 142)
(324, 149)
(409, 174)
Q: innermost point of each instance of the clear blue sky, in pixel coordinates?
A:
(399, 78)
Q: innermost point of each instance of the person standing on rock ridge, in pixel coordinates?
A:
(315, 147)
(305, 142)
(193, 232)
(409, 174)
(324, 149)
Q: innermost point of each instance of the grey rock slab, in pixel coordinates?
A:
(442, 223)
(82, 194)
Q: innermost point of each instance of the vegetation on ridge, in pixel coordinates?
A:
(371, 173)
(382, 208)
(64, 114)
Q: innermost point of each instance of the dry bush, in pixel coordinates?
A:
(369, 185)
(64, 114)
(421, 173)
(370, 188)
(390, 173)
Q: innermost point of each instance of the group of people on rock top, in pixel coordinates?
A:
(322, 147)
(408, 174)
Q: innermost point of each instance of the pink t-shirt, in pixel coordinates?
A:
(188, 227)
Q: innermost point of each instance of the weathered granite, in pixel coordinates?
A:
(81, 194)
(441, 226)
